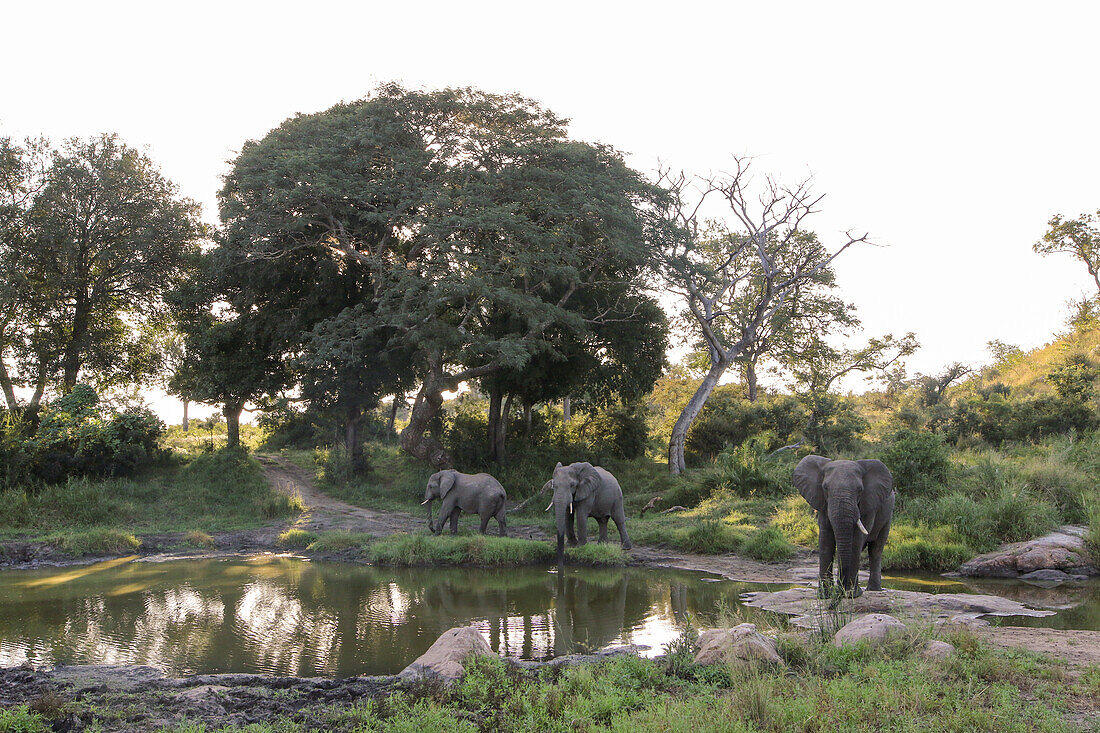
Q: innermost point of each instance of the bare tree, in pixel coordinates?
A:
(755, 258)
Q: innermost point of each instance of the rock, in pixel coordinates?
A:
(937, 650)
(1063, 550)
(874, 628)
(960, 621)
(445, 658)
(811, 612)
(742, 643)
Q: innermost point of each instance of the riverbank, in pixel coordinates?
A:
(815, 687)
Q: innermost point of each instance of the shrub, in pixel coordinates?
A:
(337, 541)
(918, 460)
(743, 471)
(920, 547)
(795, 520)
(20, 719)
(728, 419)
(708, 537)
(277, 505)
(767, 544)
(199, 539)
(1017, 515)
(619, 431)
(1092, 539)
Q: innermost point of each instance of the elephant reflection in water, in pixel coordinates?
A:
(591, 612)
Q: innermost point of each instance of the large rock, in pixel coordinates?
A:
(1063, 550)
(446, 657)
(740, 644)
(874, 628)
(811, 612)
(935, 649)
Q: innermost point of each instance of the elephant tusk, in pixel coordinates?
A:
(548, 506)
(570, 507)
(425, 502)
(859, 523)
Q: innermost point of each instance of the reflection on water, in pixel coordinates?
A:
(283, 615)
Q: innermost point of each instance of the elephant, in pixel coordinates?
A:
(582, 490)
(854, 501)
(479, 494)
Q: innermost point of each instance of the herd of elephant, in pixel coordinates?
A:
(853, 501)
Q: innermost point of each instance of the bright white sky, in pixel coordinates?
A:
(950, 131)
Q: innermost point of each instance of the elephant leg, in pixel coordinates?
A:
(454, 520)
(485, 517)
(500, 520)
(874, 552)
(857, 550)
(826, 548)
(620, 523)
(582, 527)
(570, 532)
(603, 528)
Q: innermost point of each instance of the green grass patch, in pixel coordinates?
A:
(337, 541)
(20, 719)
(483, 550)
(277, 505)
(795, 519)
(297, 538)
(95, 542)
(921, 547)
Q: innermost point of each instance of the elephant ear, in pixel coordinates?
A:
(807, 479)
(877, 478)
(447, 482)
(587, 481)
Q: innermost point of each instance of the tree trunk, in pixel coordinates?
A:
(351, 433)
(75, 347)
(691, 410)
(493, 433)
(232, 414)
(527, 420)
(393, 414)
(9, 388)
(750, 381)
(429, 401)
(39, 389)
(566, 410)
(186, 424)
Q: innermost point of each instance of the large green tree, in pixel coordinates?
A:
(460, 205)
(1078, 237)
(109, 235)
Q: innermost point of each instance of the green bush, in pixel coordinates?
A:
(297, 538)
(920, 547)
(20, 719)
(277, 505)
(767, 544)
(918, 461)
(983, 522)
(795, 519)
(743, 471)
(729, 419)
(337, 541)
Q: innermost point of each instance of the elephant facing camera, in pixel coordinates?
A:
(854, 501)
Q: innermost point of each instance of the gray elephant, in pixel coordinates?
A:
(479, 494)
(854, 501)
(582, 490)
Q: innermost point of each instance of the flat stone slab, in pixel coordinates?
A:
(1062, 550)
(808, 610)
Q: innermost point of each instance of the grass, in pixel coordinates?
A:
(920, 547)
(821, 688)
(94, 542)
(19, 719)
(210, 492)
(338, 541)
(483, 550)
(297, 538)
(199, 539)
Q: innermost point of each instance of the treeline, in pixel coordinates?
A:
(414, 241)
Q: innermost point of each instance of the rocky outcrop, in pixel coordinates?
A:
(740, 645)
(873, 628)
(1063, 551)
(811, 612)
(445, 659)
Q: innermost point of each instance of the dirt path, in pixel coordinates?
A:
(1079, 648)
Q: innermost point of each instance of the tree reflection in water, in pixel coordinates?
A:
(286, 616)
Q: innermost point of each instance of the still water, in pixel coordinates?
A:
(287, 616)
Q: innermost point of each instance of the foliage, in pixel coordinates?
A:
(745, 471)
(920, 547)
(19, 719)
(104, 233)
(1076, 237)
(728, 419)
(768, 544)
(918, 460)
(95, 542)
(338, 541)
(482, 550)
(1006, 514)
(297, 538)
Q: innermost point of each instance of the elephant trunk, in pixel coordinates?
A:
(844, 518)
(562, 518)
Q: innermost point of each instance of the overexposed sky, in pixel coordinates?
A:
(950, 131)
